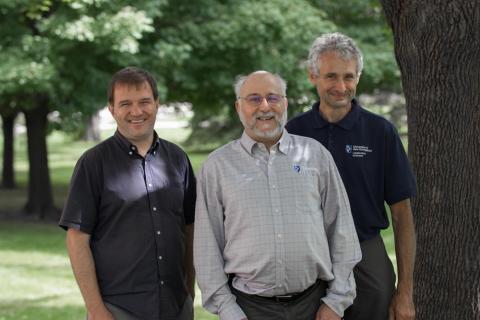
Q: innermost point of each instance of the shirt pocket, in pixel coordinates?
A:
(244, 193)
(307, 191)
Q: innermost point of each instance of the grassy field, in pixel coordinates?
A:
(36, 281)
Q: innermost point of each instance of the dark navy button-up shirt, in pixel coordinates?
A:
(370, 158)
(135, 210)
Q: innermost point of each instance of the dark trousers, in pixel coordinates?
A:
(303, 308)
(375, 281)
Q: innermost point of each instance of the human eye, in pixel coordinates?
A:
(145, 102)
(254, 99)
(331, 76)
(124, 104)
(274, 98)
(350, 77)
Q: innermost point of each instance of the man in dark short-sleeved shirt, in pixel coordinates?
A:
(374, 168)
(130, 213)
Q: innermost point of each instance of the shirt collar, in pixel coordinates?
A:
(131, 149)
(283, 144)
(347, 123)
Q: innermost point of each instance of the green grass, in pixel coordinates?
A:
(36, 281)
(36, 278)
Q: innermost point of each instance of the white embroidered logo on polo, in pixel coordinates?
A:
(357, 151)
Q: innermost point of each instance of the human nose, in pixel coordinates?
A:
(264, 105)
(340, 85)
(135, 109)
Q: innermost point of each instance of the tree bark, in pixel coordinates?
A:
(40, 198)
(8, 173)
(92, 128)
(437, 46)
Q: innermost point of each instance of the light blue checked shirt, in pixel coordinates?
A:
(277, 220)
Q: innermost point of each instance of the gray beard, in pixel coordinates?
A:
(275, 132)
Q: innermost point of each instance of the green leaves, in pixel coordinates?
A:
(70, 48)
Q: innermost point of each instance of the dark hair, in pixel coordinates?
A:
(131, 76)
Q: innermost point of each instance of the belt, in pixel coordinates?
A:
(286, 298)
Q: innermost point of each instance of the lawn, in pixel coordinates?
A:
(36, 281)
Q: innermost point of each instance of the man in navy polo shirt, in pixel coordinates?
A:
(374, 167)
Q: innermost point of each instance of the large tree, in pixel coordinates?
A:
(58, 55)
(437, 46)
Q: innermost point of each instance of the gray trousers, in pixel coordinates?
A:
(375, 281)
(304, 308)
(120, 314)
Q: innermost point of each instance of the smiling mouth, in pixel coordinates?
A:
(265, 118)
(137, 121)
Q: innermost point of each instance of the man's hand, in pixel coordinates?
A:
(100, 314)
(401, 307)
(325, 313)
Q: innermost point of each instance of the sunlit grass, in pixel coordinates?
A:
(36, 278)
(37, 281)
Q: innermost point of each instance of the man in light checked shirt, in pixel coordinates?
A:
(274, 235)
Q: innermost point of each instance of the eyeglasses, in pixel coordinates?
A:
(257, 99)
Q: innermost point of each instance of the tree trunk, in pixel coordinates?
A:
(8, 175)
(92, 128)
(437, 46)
(40, 198)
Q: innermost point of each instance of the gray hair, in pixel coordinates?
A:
(240, 80)
(339, 43)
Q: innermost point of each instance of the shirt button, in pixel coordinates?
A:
(273, 186)
(279, 235)
(276, 210)
(161, 282)
(160, 257)
(154, 208)
(150, 185)
(130, 153)
(280, 285)
(159, 232)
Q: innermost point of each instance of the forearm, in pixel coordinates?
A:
(83, 267)
(189, 269)
(405, 245)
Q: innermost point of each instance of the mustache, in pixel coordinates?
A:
(259, 114)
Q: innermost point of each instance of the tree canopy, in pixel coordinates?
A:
(63, 52)
(68, 49)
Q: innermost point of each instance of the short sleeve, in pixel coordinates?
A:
(81, 206)
(399, 179)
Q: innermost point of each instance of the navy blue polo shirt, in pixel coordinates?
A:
(370, 158)
(135, 209)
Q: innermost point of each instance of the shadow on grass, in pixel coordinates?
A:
(18, 236)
